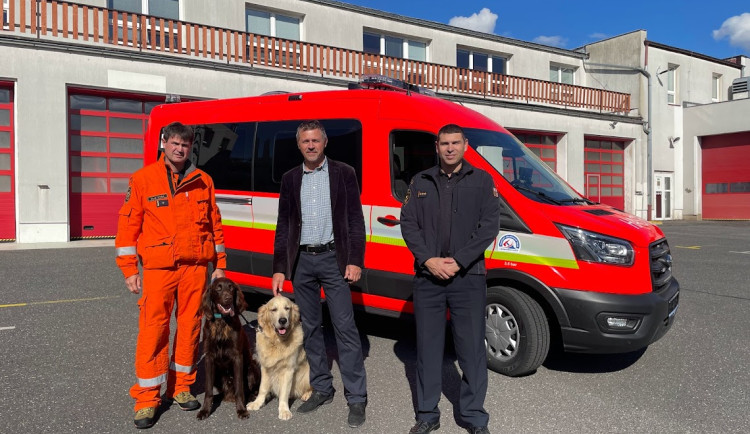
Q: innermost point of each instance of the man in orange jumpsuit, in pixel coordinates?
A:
(170, 222)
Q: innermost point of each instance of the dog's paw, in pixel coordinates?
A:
(242, 413)
(203, 414)
(285, 414)
(306, 396)
(255, 405)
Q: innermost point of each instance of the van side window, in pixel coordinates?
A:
(276, 149)
(225, 152)
(411, 153)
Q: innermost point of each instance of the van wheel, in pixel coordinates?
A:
(517, 336)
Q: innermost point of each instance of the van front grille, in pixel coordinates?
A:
(661, 265)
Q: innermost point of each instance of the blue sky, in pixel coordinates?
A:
(719, 28)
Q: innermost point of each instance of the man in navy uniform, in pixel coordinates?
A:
(450, 215)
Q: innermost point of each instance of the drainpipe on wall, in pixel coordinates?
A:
(646, 129)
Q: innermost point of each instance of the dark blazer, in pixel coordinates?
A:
(348, 220)
(474, 224)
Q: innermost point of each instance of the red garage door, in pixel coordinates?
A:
(7, 186)
(543, 145)
(726, 176)
(604, 165)
(106, 147)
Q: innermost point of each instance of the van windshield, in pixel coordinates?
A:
(522, 168)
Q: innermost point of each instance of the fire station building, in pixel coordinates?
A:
(655, 130)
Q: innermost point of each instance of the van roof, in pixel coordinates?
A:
(390, 103)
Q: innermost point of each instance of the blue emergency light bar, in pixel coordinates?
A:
(375, 81)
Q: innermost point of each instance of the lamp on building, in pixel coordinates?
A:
(673, 140)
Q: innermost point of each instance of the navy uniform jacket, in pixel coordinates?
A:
(474, 224)
(346, 211)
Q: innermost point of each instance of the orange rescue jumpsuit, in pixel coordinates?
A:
(174, 229)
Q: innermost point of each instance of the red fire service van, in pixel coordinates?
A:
(590, 277)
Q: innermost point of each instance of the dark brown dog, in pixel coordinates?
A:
(228, 358)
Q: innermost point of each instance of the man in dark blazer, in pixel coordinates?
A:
(320, 241)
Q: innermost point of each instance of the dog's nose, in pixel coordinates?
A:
(282, 321)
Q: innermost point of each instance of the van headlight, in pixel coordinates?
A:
(592, 247)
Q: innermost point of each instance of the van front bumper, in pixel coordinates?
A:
(588, 331)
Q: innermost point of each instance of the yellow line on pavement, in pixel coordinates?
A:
(75, 300)
(689, 247)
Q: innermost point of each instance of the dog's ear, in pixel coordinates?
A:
(207, 305)
(263, 315)
(295, 314)
(239, 299)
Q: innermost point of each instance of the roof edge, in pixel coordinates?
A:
(649, 43)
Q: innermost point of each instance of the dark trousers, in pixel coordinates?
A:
(466, 297)
(312, 272)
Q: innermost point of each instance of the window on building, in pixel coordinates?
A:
(716, 88)
(479, 61)
(543, 145)
(159, 8)
(394, 46)
(127, 33)
(562, 74)
(672, 84)
(274, 24)
(5, 13)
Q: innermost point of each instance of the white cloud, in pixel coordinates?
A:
(737, 29)
(598, 36)
(555, 41)
(484, 21)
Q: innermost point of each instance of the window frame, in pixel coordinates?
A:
(6, 14)
(273, 14)
(716, 87)
(145, 10)
(405, 42)
(490, 60)
(560, 68)
(672, 84)
(128, 28)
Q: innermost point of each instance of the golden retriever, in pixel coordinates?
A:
(284, 371)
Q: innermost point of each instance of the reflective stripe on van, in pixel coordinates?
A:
(532, 249)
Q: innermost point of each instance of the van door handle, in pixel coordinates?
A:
(389, 220)
(235, 201)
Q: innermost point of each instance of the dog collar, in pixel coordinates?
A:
(218, 315)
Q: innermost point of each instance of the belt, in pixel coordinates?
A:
(317, 248)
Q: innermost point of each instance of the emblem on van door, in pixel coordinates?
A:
(509, 243)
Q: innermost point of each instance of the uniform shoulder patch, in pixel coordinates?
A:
(127, 195)
(408, 195)
(494, 192)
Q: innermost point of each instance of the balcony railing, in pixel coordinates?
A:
(85, 24)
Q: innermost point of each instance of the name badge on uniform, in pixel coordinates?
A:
(162, 202)
(421, 194)
(157, 197)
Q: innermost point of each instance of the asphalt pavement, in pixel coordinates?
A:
(68, 327)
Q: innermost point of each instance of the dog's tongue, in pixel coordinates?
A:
(282, 331)
(225, 311)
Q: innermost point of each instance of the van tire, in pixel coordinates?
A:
(517, 336)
